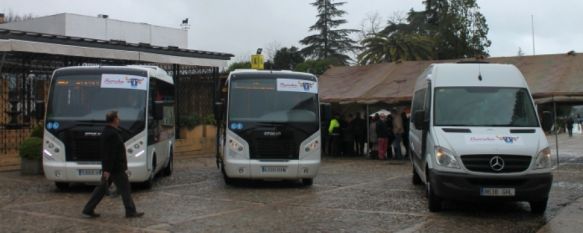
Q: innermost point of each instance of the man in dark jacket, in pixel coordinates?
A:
(114, 166)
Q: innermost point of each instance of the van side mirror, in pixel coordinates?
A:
(419, 120)
(158, 110)
(218, 110)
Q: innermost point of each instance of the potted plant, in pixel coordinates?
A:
(31, 156)
(187, 123)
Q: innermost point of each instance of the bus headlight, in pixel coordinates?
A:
(543, 159)
(235, 146)
(48, 155)
(313, 145)
(445, 158)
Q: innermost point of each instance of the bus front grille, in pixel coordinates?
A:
(273, 149)
(84, 149)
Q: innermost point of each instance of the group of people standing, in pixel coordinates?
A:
(387, 132)
(347, 135)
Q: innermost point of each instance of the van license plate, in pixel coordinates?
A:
(270, 169)
(498, 192)
(89, 172)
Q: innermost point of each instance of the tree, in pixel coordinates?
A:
(14, 17)
(287, 58)
(239, 65)
(458, 27)
(520, 52)
(329, 42)
(397, 41)
(394, 47)
(316, 67)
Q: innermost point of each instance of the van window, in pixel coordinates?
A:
(418, 101)
(484, 106)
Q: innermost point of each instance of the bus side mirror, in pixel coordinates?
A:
(218, 110)
(419, 120)
(39, 110)
(158, 110)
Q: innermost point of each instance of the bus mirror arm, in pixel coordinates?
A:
(419, 120)
(218, 110)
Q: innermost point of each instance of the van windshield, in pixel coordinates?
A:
(484, 106)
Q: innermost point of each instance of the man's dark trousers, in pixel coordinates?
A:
(120, 179)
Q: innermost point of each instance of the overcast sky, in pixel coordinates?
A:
(241, 26)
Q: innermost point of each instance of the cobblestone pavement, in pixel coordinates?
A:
(349, 195)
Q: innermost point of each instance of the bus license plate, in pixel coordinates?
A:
(89, 172)
(270, 169)
(497, 192)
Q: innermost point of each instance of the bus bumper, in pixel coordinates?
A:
(272, 169)
(73, 172)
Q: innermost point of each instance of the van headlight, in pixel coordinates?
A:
(445, 158)
(543, 159)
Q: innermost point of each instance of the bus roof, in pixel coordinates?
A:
(286, 73)
(153, 71)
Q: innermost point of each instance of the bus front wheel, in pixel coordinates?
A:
(62, 186)
(150, 181)
(308, 181)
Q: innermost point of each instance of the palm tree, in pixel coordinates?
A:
(383, 47)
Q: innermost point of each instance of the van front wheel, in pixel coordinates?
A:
(433, 201)
(538, 207)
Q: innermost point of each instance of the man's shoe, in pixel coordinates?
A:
(135, 215)
(90, 215)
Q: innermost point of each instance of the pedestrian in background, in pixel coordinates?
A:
(405, 135)
(397, 132)
(114, 168)
(347, 136)
(359, 126)
(382, 136)
(372, 137)
(391, 135)
(334, 132)
(570, 126)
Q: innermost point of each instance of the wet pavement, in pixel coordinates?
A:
(349, 195)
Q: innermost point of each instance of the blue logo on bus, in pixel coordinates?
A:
(56, 125)
(307, 86)
(236, 126)
(50, 125)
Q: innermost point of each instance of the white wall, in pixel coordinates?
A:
(54, 24)
(103, 29)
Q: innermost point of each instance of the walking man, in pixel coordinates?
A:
(114, 166)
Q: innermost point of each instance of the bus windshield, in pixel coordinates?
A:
(82, 98)
(484, 106)
(260, 100)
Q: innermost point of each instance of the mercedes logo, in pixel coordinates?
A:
(497, 163)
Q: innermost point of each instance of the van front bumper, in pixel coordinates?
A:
(465, 187)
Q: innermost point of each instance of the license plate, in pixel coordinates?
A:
(89, 172)
(274, 169)
(497, 192)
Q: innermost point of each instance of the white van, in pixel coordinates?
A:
(475, 135)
